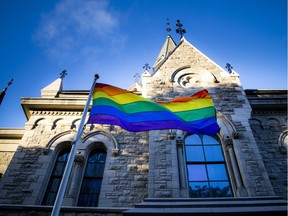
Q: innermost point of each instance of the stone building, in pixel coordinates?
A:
(241, 170)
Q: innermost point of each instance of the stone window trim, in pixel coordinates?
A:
(228, 137)
(90, 142)
(283, 142)
(77, 173)
(103, 137)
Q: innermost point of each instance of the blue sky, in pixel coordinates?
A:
(115, 38)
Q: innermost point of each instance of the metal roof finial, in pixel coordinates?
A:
(180, 30)
(229, 67)
(168, 29)
(146, 66)
(63, 74)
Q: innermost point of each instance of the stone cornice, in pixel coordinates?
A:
(12, 133)
(30, 105)
(267, 100)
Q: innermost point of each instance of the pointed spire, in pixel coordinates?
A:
(166, 49)
(52, 90)
(180, 30)
(3, 92)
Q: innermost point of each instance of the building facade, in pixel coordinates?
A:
(116, 172)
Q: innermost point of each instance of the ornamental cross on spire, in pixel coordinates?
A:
(146, 66)
(136, 77)
(168, 29)
(63, 74)
(180, 30)
(229, 67)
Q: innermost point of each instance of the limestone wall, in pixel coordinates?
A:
(268, 128)
(187, 71)
(126, 169)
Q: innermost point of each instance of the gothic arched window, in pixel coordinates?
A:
(206, 167)
(91, 185)
(56, 177)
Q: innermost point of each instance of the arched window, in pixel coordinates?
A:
(56, 177)
(91, 185)
(206, 167)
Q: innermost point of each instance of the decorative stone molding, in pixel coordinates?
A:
(283, 142)
(101, 136)
(235, 135)
(79, 157)
(228, 143)
(56, 113)
(36, 123)
(171, 135)
(115, 152)
(179, 142)
(61, 137)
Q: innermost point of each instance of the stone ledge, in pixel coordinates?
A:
(11, 209)
(211, 206)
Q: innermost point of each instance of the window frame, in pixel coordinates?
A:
(85, 178)
(206, 164)
(53, 176)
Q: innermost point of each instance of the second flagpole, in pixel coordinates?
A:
(68, 168)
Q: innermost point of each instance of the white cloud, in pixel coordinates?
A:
(79, 29)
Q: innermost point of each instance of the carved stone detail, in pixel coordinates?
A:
(115, 152)
(179, 142)
(79, 158)
(54, 113)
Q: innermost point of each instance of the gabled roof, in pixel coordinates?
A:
(167, 48)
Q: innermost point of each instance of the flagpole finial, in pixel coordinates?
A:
(8, 84)
(96, 76)
(3, 92)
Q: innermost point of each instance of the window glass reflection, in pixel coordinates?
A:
(199, 189)
(194, 153)
(220, 189)
(213, 153)
(197, 173)
(208, 140)
(217, 172)
(193, 140)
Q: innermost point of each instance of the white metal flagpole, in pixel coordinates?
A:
(68, 168)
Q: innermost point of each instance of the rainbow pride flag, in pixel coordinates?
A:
(116, 106)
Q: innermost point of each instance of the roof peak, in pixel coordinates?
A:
(167, 48)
